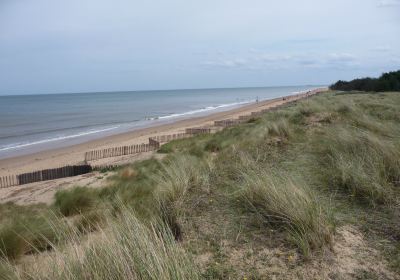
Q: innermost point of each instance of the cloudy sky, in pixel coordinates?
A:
(49, 46)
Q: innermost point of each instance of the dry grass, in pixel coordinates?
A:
(176, 178)
(125, 249)
(285, 203)
(362, 163)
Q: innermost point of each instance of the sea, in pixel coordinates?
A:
(32, 123)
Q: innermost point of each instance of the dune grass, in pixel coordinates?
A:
(74, 201)
(282, 202)
(28, 230)
(125, 249)
(280, 169)
(360, 162)
(175, 179)
(29, 235)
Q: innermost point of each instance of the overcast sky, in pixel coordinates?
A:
(49, 46)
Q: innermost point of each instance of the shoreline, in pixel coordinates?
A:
(74, 154)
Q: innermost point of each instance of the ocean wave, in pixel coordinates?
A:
(57, 138)
(15, 146)
(202, 110)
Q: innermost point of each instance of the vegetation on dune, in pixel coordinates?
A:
(287, 180)
(26, 230)
(284, 204)
(125, 249)
(386, 82)
(361, 163)
(74, 201)
(178, 175)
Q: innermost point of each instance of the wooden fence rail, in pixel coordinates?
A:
(44, 175)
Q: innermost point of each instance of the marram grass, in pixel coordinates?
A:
(282, 202)
(125, 249)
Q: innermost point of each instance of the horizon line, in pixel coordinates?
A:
(153, 90)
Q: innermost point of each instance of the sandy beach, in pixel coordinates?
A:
(42, 192)
(75, 154)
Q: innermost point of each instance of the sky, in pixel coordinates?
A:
(60, 46)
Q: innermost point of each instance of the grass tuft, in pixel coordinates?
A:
(29, 235)
(176, 178)
(358, 161)
(284, 204)
(279, 128)
(74, 201)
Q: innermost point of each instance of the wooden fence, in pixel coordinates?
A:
(198, 130)
(121, 151)
(228, 122)
(44, 175)
(154, 144)
(8, 181)
(170, 137)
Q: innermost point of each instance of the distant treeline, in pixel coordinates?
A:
(387, 82)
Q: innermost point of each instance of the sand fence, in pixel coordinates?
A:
(153, 144)
(44, 175)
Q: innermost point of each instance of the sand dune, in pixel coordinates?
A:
(43, 191)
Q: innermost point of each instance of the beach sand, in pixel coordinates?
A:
(43, 191)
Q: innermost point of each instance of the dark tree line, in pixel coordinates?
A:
(386, 82)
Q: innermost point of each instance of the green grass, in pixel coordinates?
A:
(360, 162)
(283, 202)
(26, 230)
(127, 249)
(285, 180)
(75, 201)
(177, 176)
